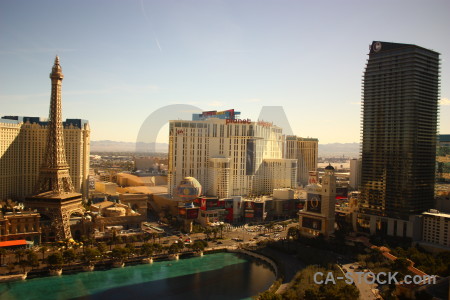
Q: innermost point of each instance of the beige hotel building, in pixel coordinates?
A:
(229, 156)
(22, 147)
(305, 150)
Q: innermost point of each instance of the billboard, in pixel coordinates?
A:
(209, 203)
(314, 203)
(313, 177)
(288, 205)
(312, 223)
(258, 208)
(192, 213)
(228, 203)
(250, 157)
(249, 215)
(229, 214)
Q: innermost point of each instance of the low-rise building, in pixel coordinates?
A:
(435, 228)
(22, 225)
(115, 214)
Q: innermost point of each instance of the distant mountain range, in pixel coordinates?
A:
(339, 149)
(113, 146)
(325, 150)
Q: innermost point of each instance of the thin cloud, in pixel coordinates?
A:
(157, 44)
(151, 27)
(444, 102)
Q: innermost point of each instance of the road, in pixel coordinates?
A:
(365, 289)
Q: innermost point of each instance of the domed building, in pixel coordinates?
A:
(189, 189)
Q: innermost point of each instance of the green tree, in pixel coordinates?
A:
(174, 248)
(23, 264)
(19, 253)
(90, 255)
(221, 227)
(55, 260)
(32, 258)
(293, 233)
(147, 249)
(198, 246)
(157, 248)
(131, 250)
(101, 247)
(207, 233)
(2, 254)
(401, 264)
(118, 253)
(69, 256)
(43, 249)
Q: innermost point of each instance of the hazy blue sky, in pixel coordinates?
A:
(124, 59)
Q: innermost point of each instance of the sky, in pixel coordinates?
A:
(123, 60)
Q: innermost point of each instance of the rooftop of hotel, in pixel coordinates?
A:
(436, 213)
(79, 123)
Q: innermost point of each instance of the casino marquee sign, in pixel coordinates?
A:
(314, 203)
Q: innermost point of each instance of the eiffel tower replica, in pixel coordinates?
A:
(55, 196)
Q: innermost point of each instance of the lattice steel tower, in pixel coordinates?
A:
(55, 195)
(54, 173)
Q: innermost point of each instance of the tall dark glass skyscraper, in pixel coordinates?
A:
(400, 115)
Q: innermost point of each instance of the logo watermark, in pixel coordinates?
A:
(372, 278)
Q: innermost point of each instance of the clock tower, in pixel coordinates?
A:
(317, 217)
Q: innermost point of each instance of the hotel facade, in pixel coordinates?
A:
(306, 151)
(22, 147)
(229, 156)
(399, 132)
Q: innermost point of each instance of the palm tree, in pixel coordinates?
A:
(198, 246)
(221, 226)
(207, 232)
(158, 248)
(102, 248)
(130, 249)
(19, 253)
(55, 260)
(174, 248)
(215, 230)
(2, 253)
(118, 253)
(293, 233)
(69, 256)
(24, 264)
(32, 259)
(147, 249)
(43, 249)
(90, 255)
